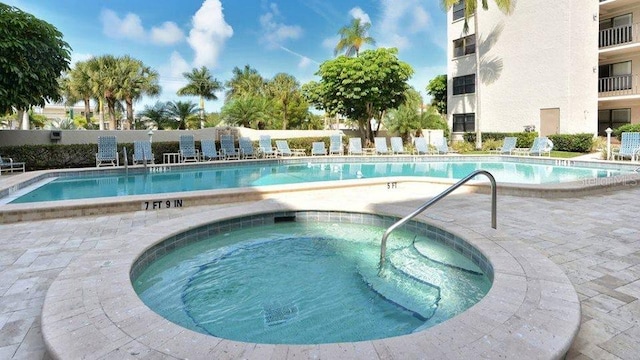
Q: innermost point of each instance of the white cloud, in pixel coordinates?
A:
(358, 13)
(166, 34)
(128, 27)
(75, 57)
(401, 17)
(209, 33)
(274, 32)
(304, 62)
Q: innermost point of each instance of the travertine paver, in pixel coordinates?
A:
(595, 240)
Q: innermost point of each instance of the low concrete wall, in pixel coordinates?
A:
(39, 137)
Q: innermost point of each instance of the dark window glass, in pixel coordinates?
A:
(464, 122)
(464, 84)
(464, 46)
(612, 118)
(458, 10)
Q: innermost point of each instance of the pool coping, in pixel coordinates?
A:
(10, 213)
(91, 309)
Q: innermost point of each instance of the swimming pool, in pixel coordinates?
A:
(311, 277)
(169, 179)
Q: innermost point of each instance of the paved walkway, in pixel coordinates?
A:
(595, 240)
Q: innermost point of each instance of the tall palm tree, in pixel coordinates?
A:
(135, 80)
(183, 111)
(202, 84)
(245, 81)
(104, 84)
(77, 87)
(158, 113)
(353, 36)
(248, 111)
(471, 9)
(283, 89)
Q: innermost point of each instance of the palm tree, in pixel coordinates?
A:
(135, 80)
(283, 89)
(248, 111)
(104, 82)
(77, 87)
(246, 81)
(202, 84)
(183, 111)
(353, 36)
(471, 9)
(158, 113)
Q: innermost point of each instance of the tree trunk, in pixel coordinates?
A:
(129, 102)
(87, 110)
(25, 120)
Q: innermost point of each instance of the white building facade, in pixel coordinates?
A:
(539, 66)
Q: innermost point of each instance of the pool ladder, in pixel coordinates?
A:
(383, 245)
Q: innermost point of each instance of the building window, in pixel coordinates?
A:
(612, 118)
(464, 84)
(458, 10)
(616, 30)
(464, 46)
(464, 122)
(614, 77)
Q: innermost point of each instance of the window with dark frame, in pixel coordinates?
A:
(464, 84)
(458, 10)
(612, 118)
(464, 46)
(464, 122)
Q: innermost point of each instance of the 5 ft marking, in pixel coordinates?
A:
(161, 204)
(392, 185)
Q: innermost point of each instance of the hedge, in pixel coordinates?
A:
(525, 139)
(58, 156)
(625, 128)
(581, 143)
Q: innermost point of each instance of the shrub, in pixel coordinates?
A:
(572, 142)
(525, 139)
(491, 144)
(462, 146)
(626, 128)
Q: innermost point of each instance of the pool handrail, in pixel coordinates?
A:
(423, 207)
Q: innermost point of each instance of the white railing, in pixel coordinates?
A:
(619, 35)
(618, 85)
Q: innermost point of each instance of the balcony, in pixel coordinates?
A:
(619, 86)
(619, 35)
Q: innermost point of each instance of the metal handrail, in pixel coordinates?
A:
(383, 245)
(126, 160)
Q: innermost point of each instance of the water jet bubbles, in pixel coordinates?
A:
(359, 174)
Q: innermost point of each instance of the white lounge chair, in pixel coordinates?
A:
(107, 151)
(508, 146)
(318, 149)
(541, 145)
(285, 150)
(443, 147)
(381, 146)
(629, 147)
(228, 147)
(142, 152)
(335, 145)
(210, 150)
(421, 146)
(246, 148)
(397, 147)
(266, 149)
(355, 146)
(188, 150)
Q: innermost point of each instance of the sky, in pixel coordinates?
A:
(277, 36)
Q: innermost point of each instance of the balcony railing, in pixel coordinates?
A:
(618, 85)
(619, 35)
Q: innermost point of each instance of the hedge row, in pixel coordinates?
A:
(561, 142)
(57, 156)
(525, 139)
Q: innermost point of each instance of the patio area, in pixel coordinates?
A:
(594, 240)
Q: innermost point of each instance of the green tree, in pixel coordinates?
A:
(183, 111)
(248, 111)
(245, 81)
(471, 9)
(352, 37)
(159, 114)
(405, 120)
(76, 86)
(283, 89)
(201, 83)
(32, 58)
(361, 88)
(437, 88)
(135, 79)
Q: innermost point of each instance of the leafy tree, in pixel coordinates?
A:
(437, 88)
(471, 9)
(182, 111)
(283, 89)
(352, 37)
(248, 111)
(159, 114)
(361, 88)
(406, 119)
(32, 58)
(212, 119)
(245, 81)
(202, 84)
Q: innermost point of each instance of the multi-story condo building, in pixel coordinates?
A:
(561, 66)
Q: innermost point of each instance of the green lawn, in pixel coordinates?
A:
(556, 154)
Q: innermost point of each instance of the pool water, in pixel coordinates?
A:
(310, 283)
(177, 179)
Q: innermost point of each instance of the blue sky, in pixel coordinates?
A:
(291, 36)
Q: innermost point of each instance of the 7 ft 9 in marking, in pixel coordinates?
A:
(161, 204)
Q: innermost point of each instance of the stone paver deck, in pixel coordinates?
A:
(595, 240)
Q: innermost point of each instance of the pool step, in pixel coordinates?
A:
(404, 291)
(440, 253)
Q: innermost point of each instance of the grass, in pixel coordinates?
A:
(555, 154)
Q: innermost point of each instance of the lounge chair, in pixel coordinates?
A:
(284, 150)
(188, 150)
(318, 149)
(246, 148)
(421, 146)
(142, 153)
(355, 146)
(541, 145)
(107, 151)
(397, 147)
(381, 146)
(8, 165)
(443, 148)
(335, 145)
(508, 146)
(629, 147)
(209, 150)
(228, 147)
(266, 149)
